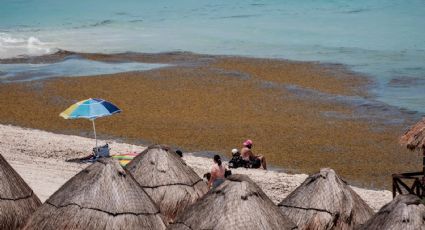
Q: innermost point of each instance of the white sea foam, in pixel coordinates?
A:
(11, 46)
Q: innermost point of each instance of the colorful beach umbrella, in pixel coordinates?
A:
(91, 109)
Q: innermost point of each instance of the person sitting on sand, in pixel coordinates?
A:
(217, 173)
(255, 160)
(235, 152)
(237, 160)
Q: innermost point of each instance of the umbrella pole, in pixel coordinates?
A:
(94, 129)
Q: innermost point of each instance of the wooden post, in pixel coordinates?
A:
(423, 166)
(394, 187)
(418, 187)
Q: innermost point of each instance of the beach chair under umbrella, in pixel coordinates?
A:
(91, 109)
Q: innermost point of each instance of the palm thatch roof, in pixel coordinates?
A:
(404, 212)
(167, 179)
(324, 201)
(17, 200)
(414, 138)
(101, 196)
(238, 203)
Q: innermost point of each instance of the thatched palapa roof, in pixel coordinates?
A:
(238, 203)
(404, 212)
(324, 201)
(414, 138)
(17, 200)
(167, 179)
(102, 196)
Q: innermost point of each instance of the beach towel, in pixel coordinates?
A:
(124, 158)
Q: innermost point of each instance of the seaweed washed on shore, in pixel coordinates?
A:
(301, 115)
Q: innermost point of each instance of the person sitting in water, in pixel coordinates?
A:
(217, 173)
(255, 160)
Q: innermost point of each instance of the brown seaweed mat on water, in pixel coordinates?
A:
(324, 201)
(404, 212)
(238, 203)
(167, 179)
(17, 200)
(102, 196)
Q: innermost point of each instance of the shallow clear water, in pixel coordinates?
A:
(70, 67)
(382, 38)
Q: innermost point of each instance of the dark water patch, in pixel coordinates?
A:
(136, 21)
(355, 11)
(232, 74)
(128, 14)
(364, 108)
(101, 23)
(184, 59)
(415, 68)
(96, 24)
(237, 16)
(406, 82)
(269, 85)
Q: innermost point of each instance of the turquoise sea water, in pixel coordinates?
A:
(384, 39)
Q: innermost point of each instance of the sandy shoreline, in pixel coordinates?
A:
(38, 156)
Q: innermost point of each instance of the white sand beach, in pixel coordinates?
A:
(39, 157)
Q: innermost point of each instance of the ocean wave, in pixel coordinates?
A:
(22, 46)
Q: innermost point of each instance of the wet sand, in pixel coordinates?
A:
(302, 116)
